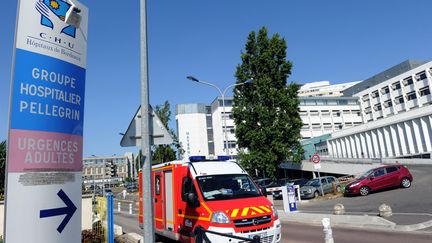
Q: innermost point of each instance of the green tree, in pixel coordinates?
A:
(2, 165)
(266, 110)
(164, 153)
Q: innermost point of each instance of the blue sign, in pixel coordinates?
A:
(69, 210)
(291, 199)
(48, 94)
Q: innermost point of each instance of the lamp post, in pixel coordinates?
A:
(224, 131)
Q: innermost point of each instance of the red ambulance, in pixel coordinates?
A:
(214, 193)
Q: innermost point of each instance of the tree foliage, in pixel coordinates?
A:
(266, 109)
(2, 165)
(164, 153)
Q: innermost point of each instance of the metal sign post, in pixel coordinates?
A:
(145, 131)
(45, 140)
(317, 165)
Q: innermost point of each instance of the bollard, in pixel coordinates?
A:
(328, 234)
(130, 208)
(339, 209)
(385, 210)
(118, 206)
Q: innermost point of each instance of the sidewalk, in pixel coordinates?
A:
(420, 222)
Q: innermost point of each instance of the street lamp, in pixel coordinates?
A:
(225, 133)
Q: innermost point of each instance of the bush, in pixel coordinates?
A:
(89, 236)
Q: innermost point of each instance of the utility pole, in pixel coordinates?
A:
(148, 218)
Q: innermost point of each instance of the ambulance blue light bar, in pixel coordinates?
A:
(208, 158)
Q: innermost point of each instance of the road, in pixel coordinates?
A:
(300, 233)
(129, 222)
(414, 201)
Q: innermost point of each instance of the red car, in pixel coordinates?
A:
(380, 178)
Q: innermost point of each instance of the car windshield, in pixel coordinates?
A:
(313, 182)
(364, 175)
(220, 187)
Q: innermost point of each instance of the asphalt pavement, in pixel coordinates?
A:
(411, 220)
(411, 207)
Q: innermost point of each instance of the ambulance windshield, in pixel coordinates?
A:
(220, 187)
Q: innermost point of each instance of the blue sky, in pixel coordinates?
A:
(339, 41)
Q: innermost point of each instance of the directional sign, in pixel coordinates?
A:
(69, 210)
(46, 124)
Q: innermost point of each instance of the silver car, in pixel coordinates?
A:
(312, 188)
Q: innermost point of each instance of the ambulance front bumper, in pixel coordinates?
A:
(269, 235)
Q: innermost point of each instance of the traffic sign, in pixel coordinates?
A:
(158, 132)
(315, 158)
(46, 123)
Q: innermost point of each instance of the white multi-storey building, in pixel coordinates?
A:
(195, 129)
(386, 116)
(396, 108)
(323, 115)
(201, 130)
(323, 88)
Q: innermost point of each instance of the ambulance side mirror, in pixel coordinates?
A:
(192, 200)
(263, 191)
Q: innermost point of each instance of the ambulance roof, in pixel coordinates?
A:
(212, 167)
(216, 168)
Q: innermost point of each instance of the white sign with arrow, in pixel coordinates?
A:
(46, 213)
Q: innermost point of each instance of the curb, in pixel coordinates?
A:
(353, 221)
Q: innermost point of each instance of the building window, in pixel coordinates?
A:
(325, 113)
(377, 107)
(365, 97)
(229, 129)
(396, 85)
(316, 126)
(420, 76)
(231, 144)
(424, 91)
(343, 102)
(407, 81)
(385, 90)
(332, 102)
(310, 102)
(336, 113)
(314, 113)
(357, 112)
(411, 96)
(374, 94)
(399, 100)
(388, 103)
(327, 126)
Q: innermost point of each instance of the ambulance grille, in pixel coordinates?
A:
(267, 239)
(252, 221)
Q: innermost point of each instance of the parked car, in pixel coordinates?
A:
(132, 188)
(380, 178)
(312, 188)
(264, 182)
(277, 194)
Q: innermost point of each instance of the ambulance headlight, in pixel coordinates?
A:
(275, 212)
(220, 217)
